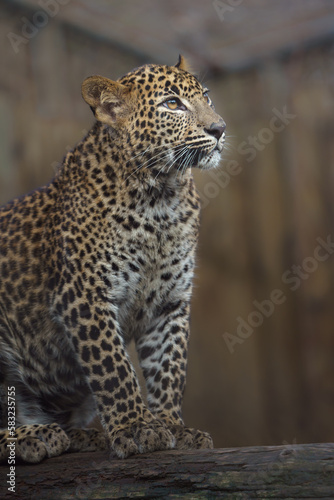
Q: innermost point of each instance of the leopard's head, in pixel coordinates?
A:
(162, 115)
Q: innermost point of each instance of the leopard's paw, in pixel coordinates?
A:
(86, 440)
(189, 439)
(35, 442)
(141, 437)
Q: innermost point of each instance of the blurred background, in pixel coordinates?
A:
(261, 365)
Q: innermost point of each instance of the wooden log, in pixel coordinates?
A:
(276, 472)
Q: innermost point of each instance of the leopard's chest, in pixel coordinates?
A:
(150, 265)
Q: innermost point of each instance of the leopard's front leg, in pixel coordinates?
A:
(162, 352)
(131, 428)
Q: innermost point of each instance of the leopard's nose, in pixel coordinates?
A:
(216, 129)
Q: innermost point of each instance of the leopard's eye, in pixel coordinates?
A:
(174, 104)
(171, 104)
(206, 97)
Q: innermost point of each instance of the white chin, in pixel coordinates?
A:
(210, 161)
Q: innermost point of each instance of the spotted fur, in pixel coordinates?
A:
(101, 255)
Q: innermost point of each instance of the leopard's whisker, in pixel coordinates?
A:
(158, 157)
(179, 155)
(183, 165)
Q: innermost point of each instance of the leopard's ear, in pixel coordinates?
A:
(183, 64)
(108, 100)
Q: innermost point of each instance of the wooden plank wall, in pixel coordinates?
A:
(263, 213)
(278, 384)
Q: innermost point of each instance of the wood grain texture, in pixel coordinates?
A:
(299, 471)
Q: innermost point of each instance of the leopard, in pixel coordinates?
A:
(102, 255)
